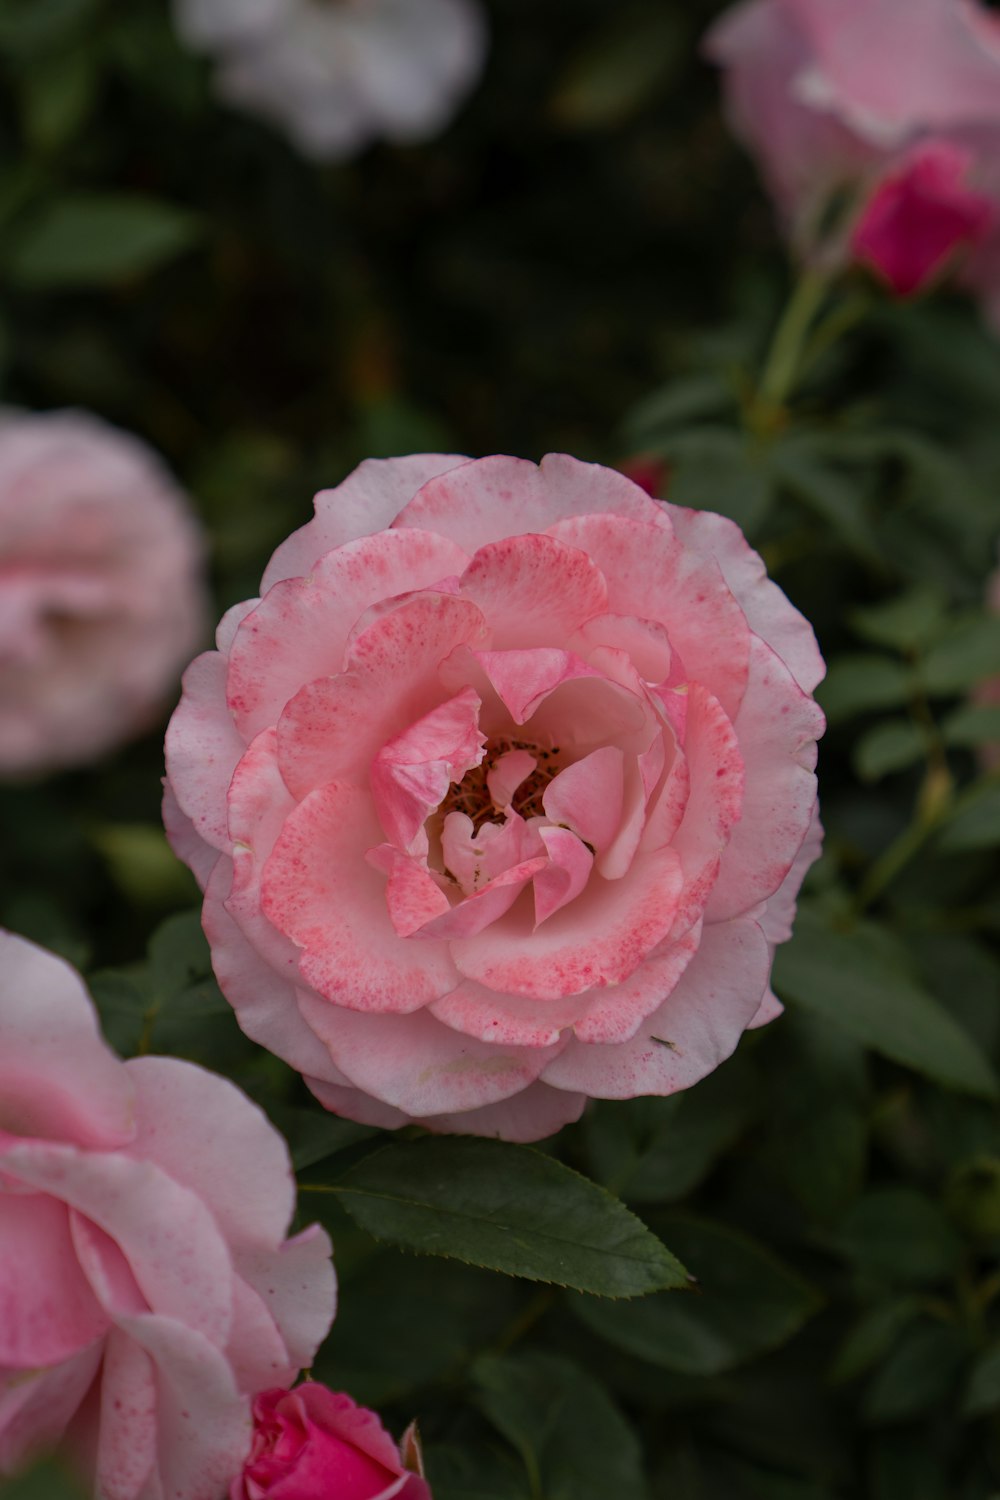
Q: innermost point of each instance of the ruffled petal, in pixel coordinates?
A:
(47, 1310)
(203, 748)
(533, 590)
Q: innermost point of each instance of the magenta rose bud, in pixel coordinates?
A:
(316, 1444)
(147, 1286)
(501, 795)
(890, 108)
(103, 598)
(919, 216)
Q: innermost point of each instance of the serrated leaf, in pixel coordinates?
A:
(859, 979)
(747, 1303)
(507, 1208)
(93, 239)
(575, 1443)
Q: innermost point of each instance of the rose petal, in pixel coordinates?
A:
(411, 773)
(203, 749)
(533, 590)
(565, 875)
(588, 796)
(47, 1309)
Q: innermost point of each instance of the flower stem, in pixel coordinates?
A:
(783, 363)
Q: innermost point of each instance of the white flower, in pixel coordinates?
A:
(337, 74)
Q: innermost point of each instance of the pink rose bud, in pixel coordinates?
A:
(101, 593)
(147, 1287)
(919, 215)
(316, 1444)
(501, 794)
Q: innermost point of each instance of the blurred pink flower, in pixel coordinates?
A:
(834, 98)
(101, 593)
(316, 1444)
(501, 795)
(147, 1289)
(338, 74)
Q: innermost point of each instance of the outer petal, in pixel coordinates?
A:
(58, 1078)
(203, 749)
(297, 1285)
(320, 891)
(695, 1029)
(127, 1431)
(365, 503)
(300, 629)
(777, 727)
(189, 847)
(37, 1405)
(499, 497)
(508, 1020)
(47, 1309)
(420, 1066)
(768, 611)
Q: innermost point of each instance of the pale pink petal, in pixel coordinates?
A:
(533, 590)
(523, 679)
(695, 1029)
(413, 895)
(59, 1079)
(498, 497)
(777, 727)
(332, 729)
(768, 611)
(301, 627)
(297, 1285)
(47, 1309)
(127, 1426)
(188, 845)
(256, 1351)
(203, 749)
(779, 911)
(343, 1099)
(588, 796)
(565, 875)
(411, 773)
(509, 1020)
(488, 905)
(36, 1405)
(419, 1066)
(652, 574)
(646, 643)
(536, 1112)
(476, 858)
(506, 774)
(365, 503)
(225, 632)
(168, 1237)
(600, 939)
(318, 889)
(616, 1013)
(207, 1135)
(770, 1009)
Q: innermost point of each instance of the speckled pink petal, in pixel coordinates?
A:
(499, 497)
(588, 795)
(300, 629)
(508, 1020)
(598, 940)
(768, 611)
(203, 748)
(127, 1429)
(523, 679)
(59, 1079)
(646, 643)
(297, 1285)
(564, 876)
(777, 727)
(420, 1066)
(366, 502)
(488, 905)
(256, 1351)
(695, 1029)
(413, 896)
(206, 1134)
(533, 590)
(411, 773)
(615, 1014)
(47, 1309)
(652, 574)
(318, 889)
(779, 911)
(333, 729)
(167, 1235)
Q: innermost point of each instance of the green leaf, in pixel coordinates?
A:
(465, 1473)
(657, 1150)
(313, 1135)
(982, 1393)
(143, 865)
(968, 655)
(891, 746)
(56, 97)
(679, 404)
(900, 1236)
(919, 1375)
(860, 684)
(806, 472)
(909, 622)
(90, 239)
(46, 1480)
(715, 468)
(748, 1303)
(973, 724)
(975, 823)
(509, 1209)
(871, 1338)
(859, 980)
(575, 1443)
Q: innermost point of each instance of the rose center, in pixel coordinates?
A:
(472, 794)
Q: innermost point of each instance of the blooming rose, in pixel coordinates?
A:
(100, 590)
(499, 794)
(146, 1286)
(896, 103)
(337, 74)
(315, 1444)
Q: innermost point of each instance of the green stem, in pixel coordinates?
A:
(784, 358)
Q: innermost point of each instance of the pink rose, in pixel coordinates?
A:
(315, 1444)
(101, 598)
(146, 1286)
(835, 97)
(498, 794)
